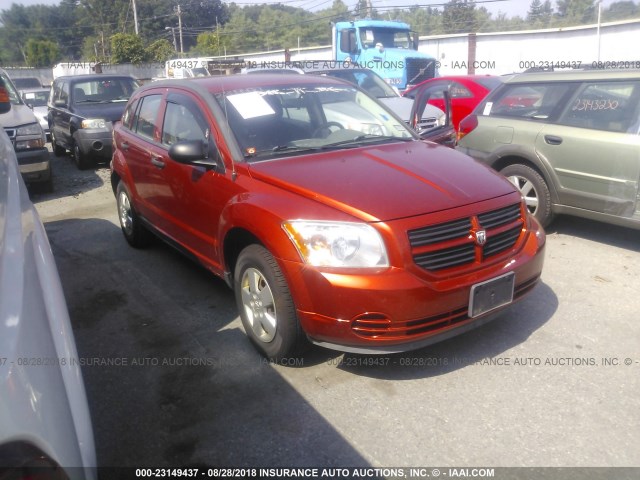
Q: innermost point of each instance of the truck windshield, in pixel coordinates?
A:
(388, 37)
(275, 121)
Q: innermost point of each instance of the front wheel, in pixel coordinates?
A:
(266, 306)
(534, 190)
(82, 162)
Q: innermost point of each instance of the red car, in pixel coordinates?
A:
(327, 215)
(466, 92)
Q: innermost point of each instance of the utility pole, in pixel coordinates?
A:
(173, 33)
(179, 13)
(135, 16)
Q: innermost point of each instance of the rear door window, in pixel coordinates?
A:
(608, 106)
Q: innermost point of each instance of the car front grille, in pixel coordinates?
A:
(419, 69)
(456, 243)
(426, 123)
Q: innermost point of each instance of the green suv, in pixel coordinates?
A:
(568, 140)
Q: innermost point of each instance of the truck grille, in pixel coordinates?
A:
(419, 69)
(452, 244)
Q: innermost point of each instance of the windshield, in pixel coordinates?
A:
(277, 121)
(37, 98)
(373, 84)
(388, 37)
(103, 90)
(197, 72)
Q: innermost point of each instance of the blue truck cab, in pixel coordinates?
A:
(386, 47)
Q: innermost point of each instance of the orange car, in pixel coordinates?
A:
(351, 233)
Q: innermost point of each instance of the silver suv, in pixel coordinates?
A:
(568, 140)
(27, 137)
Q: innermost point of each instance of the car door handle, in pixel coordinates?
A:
(157, 161)
(124, 145)
(552, 139)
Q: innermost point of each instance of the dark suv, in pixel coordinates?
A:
(82, 109)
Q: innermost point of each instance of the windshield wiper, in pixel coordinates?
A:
(367, 138)
(292, 148)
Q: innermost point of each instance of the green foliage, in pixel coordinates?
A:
(459, 16)
(159, 51)
(41, 53)
(127, 48)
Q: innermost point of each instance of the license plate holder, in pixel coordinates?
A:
(491, 294)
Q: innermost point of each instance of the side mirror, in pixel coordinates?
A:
(196, 152)
(5, 100)
(60, 103)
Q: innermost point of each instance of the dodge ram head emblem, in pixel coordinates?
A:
(481, 237)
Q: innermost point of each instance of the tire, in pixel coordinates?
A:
(266, 308)
(534, 189)
(133, 230)
(82, 161)
(58, 151)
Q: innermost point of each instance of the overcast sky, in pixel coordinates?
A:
(510, 7)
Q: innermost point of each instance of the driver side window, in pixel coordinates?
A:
(181, 123)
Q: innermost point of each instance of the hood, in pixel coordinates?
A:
(108, 111)
(18, 115)
(401, 106)
(386, 182)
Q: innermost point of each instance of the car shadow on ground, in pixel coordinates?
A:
(171, 379)
(614, 235)
(68, 180)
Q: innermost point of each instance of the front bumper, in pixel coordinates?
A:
(395, 310)
(95, 142)
(35, 165)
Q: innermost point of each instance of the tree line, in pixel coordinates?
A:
(104, 30)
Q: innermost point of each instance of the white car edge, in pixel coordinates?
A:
(44, 415)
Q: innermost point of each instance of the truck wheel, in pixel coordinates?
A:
(82, 162)
(534, 189)
(266, 307)
(134, 231)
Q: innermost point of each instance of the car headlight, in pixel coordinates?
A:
(337, 244)
(31, 129)
(93, 123)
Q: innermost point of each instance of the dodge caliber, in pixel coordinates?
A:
(352, 234)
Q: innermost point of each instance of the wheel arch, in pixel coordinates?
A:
(236, 240)
(513, 159)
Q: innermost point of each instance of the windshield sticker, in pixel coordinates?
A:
(487, 108)
(251, 105)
